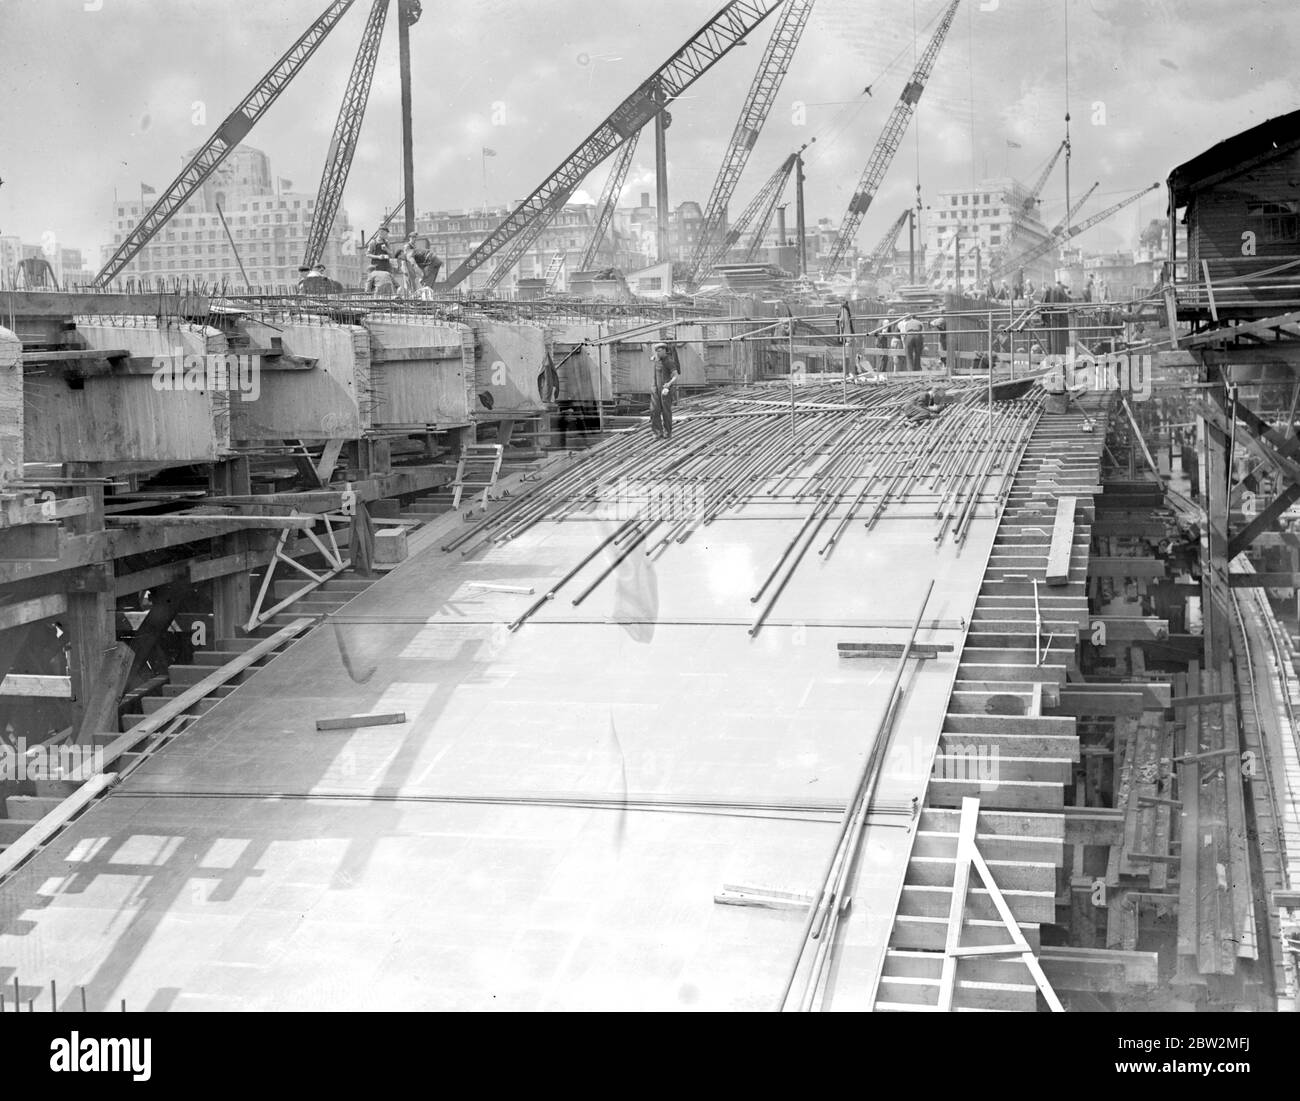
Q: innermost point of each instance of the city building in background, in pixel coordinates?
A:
(268, 220)
(454, 234)
(67, 264)
(979, 222)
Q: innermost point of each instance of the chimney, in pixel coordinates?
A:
(780, 226)
(645, 198)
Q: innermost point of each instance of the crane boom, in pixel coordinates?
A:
(772, 67)
(1076, 208)
(1030, 201)
(1008, 258)
(1041, 182)
(765, 201)
(347, 127)
(886, 243)
(1058, 239)
(887, 144)
(609, 201)
(229, 134)
(524, 240)
(764, 210)
(942, 254)
(700, 53)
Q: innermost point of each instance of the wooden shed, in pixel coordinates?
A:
(1241, 203)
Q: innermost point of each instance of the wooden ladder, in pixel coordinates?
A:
(479, 466)
(553, 269)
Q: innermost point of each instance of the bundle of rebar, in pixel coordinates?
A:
(833, 453)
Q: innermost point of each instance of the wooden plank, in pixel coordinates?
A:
(1058, 555)
(350, 722)
(1155, 695)
(920, 650)
(1189, 792)
(1207, 755)
(1128, 628)
(167, 519)
(178, 706)
(1139, 819)
(1099, 970)
(18, 684)
(1264, 580)
(1138, 529)
(32, 611)
(106, 692)
(1238, 848)
(1264, 520)
(1199, 701)
(1100, 704)
(72, 355)
(966, 831)
(1093, 826)
(1127, 763)
(329, 458)
(60, 816)
(1131, 566)
(23, 509)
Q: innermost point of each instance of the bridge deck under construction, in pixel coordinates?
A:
(570, 788)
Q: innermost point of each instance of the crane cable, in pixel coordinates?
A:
(834, 128)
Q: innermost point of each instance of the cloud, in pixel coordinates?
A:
(532, 80)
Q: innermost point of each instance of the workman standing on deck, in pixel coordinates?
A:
(913, 340)
(667, 370)
(379, 279)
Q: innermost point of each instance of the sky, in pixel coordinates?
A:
(98, 96)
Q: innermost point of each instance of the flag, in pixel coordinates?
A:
(489, 152)
(286, 185)
(1012, 144)
(145, 189)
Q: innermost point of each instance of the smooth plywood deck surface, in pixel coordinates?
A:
(259, 864)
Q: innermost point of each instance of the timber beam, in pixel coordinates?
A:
(1134, 566)
(79, 551)
(1264, 521)
(1264, 580)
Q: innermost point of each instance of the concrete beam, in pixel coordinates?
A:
(1098, 970)
(126, 418)
(422, 371)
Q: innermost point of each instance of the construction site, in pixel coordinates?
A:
(477, 632)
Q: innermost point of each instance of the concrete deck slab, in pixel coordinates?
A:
(548, 828)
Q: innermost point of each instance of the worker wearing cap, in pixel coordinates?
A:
(423, 257)
(316, 281)
(666, 373)
(379, 279)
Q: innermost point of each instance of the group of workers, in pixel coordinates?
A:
(408, 270)
(1094, 290)
(907, 334)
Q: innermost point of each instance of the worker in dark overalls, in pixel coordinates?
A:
(925, 406)
(667, 370)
